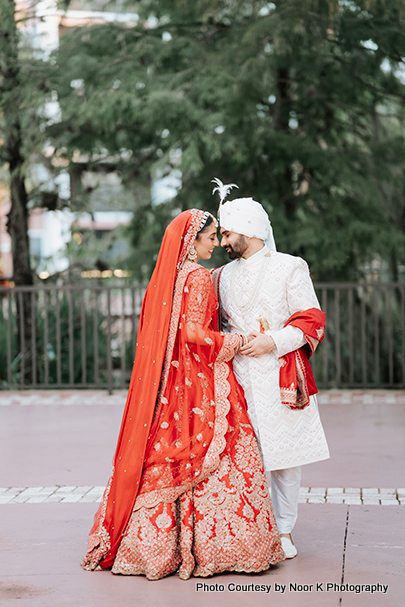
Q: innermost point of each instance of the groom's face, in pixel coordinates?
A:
(235, 244)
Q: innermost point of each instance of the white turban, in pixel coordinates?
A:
(248, 217)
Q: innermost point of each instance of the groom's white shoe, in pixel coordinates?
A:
(290, 550)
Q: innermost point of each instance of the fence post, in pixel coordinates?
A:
(337, 337)
(71, 337)
(9, 311)
(109, 354)
(46, 338)
(403, 332)
(376, 302)
(83, 337)
(350, 335)
(33, 339)
(95, 337)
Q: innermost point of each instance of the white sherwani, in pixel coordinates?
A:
(275, 286)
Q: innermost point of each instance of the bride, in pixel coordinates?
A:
(187, 491)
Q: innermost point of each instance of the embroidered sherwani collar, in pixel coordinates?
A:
(255, 258)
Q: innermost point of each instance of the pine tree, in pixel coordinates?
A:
(300, 102)
(12, 149)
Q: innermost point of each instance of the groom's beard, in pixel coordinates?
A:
(239, 247)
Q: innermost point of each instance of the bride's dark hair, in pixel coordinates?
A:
(205, 226)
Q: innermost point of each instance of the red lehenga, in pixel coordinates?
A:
(190, 493)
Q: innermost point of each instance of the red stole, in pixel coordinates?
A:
(297, 382)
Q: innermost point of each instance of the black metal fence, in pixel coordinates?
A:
(85, 336)
(68, 336)
(364, 345)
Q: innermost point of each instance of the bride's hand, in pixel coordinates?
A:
(259, 344)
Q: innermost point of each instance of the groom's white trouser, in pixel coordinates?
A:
(285, 488)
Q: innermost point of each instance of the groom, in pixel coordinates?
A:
(270, 296)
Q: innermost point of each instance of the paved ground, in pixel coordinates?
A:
(55, 457)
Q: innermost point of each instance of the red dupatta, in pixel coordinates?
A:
(297, 381)
(120, 495)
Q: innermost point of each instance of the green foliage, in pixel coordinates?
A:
(300, 102)
(147, 231)
(66, 332)
(23, 88)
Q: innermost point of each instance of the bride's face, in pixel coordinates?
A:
(206, 243)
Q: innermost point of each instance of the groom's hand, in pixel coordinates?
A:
(258, 345)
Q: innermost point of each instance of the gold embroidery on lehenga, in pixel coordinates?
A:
(221, 519)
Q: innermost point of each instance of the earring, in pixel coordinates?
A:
(192, 255)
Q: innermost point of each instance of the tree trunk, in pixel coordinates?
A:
(282, 118)
(17, 224)
(17, 227)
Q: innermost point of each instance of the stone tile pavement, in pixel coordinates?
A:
(55, 459)
(101, 397)
(355, 496)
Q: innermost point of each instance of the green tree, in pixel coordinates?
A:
(23, 119)
(13, 153)
(300, 102)
(12, 149)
